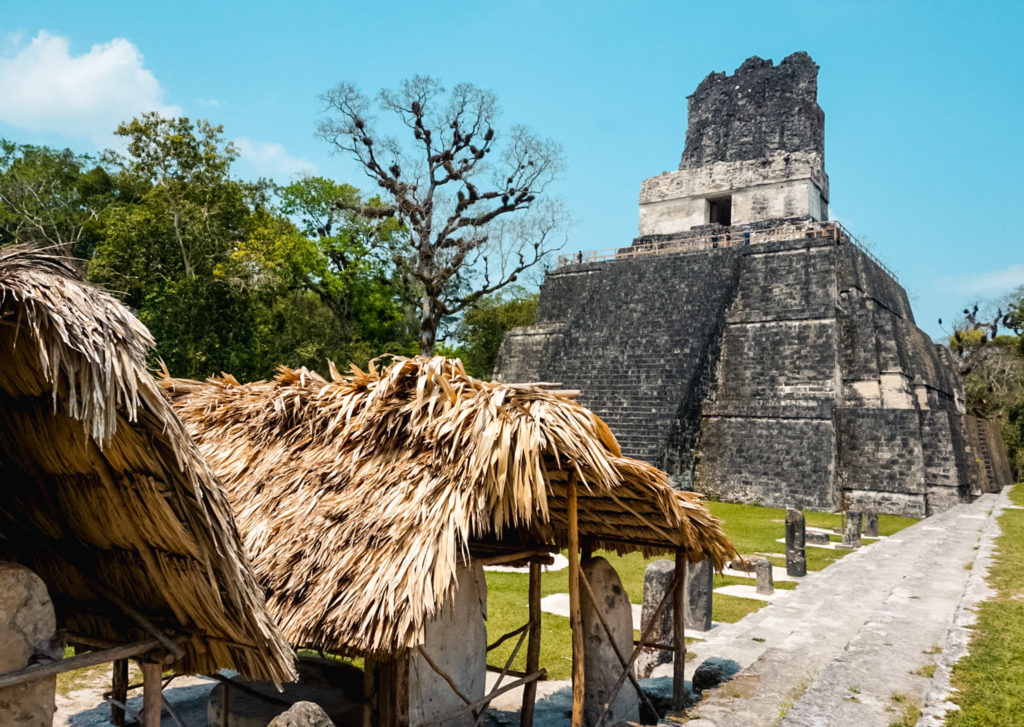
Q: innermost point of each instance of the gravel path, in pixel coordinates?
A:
(857, 641)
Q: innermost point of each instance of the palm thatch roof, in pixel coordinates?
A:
(103, 494)
(358, 497)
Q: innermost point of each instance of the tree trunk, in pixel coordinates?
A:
(427, 340)
(429, 321)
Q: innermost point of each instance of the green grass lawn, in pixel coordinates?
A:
(990, 679)
(752, 530)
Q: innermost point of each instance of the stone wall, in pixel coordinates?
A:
(789, 198)
(756, 137)
(784, 373)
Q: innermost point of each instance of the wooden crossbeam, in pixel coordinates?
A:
(473, 706)
(508, 636)
(59, 666)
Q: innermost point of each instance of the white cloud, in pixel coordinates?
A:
(208, 102)
(270, 159)
(986, 284)
(45, 88)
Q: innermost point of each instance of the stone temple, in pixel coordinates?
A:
(747, 344)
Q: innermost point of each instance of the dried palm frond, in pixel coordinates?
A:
(358, 497)
(101, 490)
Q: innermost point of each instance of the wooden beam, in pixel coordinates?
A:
(501, 676)
(575, 616)
(369, 691)
(118, 691)
(532, 648)
(494, 669)
(679, 633)
(393, 690)
(509, 635)
(38, 671)
(230, 683)
(144, 623)
(152, 694)
(71, 637)
(531, 555)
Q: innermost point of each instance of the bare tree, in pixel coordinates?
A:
(453, 188)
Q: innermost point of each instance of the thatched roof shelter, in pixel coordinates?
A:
(103, 494)
(358, 497)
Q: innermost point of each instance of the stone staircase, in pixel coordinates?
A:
(650, 395)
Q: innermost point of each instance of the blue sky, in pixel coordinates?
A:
(924, 101)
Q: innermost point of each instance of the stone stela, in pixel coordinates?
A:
(796, 552)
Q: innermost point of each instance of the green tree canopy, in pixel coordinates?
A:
(990, 350)
(228, 275)
(483, 327)
(52, 198)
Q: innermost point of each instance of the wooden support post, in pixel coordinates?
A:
(369, 692)
(679, 633)
(575, 616)
(152, 694)
(393, 691)
(118, 691)
(532, 648)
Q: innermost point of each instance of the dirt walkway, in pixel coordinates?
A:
(82, 704)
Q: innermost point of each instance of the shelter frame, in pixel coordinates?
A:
(387, 681)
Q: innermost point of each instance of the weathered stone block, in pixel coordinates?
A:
(871, 524)
(28, 627)
(712, 672)
(657, 580)
(302, 714)
(796, 533)
(601, 665)
(813, 537)
(765, 581)
(456, 640)
(851, 529)
(699, 593)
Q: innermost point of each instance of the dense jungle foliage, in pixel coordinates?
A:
(231, 275)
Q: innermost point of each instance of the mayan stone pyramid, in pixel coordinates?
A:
(747, 344)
